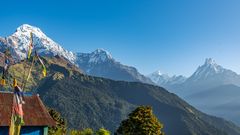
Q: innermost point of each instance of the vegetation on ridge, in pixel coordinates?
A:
(86, 101)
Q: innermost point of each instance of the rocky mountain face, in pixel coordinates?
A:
(98, 63)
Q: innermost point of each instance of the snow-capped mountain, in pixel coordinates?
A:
(214, 90)
(207, 76)
(20, 39)
(98, 63)
(97, 57)
(165, 80)
(208, 70)
(211, 88)
(210, 75)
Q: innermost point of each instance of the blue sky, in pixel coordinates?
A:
(171, 35)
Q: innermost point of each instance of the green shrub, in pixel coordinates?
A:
(141, 121)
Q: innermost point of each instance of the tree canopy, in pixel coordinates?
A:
(141, 121)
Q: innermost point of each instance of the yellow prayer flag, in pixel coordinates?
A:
(30, 47)
(3, 82)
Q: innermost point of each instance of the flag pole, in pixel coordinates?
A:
(27, 57)
(11, 127)
(28, 75)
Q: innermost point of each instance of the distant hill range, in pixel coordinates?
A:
(222, 101)
(208, 89)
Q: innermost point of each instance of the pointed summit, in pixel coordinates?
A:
(210, 64)
(210, 69)
(20, 39)
(100, 55)
(158, 72)
(26, 29)
(102, 52)
(210, 61)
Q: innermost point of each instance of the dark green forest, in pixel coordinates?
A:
(87, 102)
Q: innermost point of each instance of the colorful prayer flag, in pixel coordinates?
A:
(14, 82)
(30, 47)
(17, 112)
(44, 71)
(3, 81)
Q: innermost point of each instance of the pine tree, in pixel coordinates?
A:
(141, 121)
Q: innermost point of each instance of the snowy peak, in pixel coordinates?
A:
(208, 76)
(166, 80)
(210, 71)
(100, 63)
(97, 63)
(209, 68)
(19, 42)
(96, 57)
(159, 78)
(100, 55)
(210, 61)
(27, 29)
(211, 64)
(157, 73)
(23, 34)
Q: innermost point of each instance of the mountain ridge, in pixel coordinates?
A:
(208, 89)
(166, 80)
(87, 101)
(168, 107)
(98, 61)
(208, 75)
